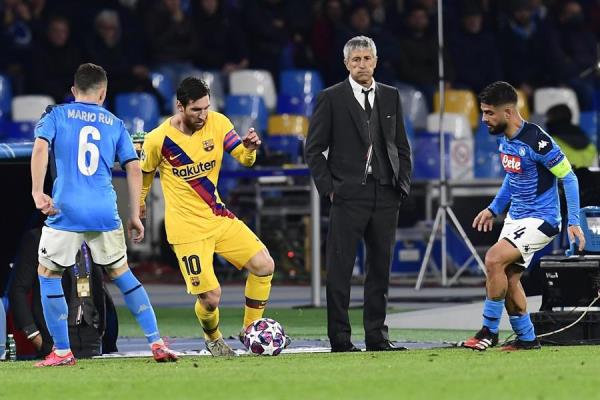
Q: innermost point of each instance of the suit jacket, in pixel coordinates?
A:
(338, 124)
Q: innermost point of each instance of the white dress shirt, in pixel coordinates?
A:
(357, 89)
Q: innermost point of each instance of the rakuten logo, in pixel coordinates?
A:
(511, 163)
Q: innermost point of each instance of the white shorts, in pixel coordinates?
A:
(528, 235)
(58, 249)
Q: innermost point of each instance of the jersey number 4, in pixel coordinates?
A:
(88, 165)
(519, 232)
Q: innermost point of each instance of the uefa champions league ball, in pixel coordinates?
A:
(265, 337)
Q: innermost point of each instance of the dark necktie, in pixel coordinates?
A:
(367, 104)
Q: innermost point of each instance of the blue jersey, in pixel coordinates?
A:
(85, 141)
(531, 159)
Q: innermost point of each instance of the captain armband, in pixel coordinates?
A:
(561, 169)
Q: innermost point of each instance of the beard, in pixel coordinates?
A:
(498, 129)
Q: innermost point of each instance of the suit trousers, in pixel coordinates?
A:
(368, 212)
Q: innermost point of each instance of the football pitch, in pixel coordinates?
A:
(451, 373)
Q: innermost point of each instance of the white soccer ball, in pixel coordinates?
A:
(265, 337)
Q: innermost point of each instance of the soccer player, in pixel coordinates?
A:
(85, 139)
(187, 149)
(532, 162)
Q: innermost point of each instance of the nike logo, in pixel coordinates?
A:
(171, 158)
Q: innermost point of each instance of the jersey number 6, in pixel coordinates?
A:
(88, 167)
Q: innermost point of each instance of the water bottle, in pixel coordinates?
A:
(11, 348)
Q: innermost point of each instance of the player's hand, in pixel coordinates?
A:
(574, 231)
(135, 230)
(142, 210)
(44, 203)
(484, 221)
(251, 141)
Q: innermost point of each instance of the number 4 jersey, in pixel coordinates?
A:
(85, 141)
(532, 162)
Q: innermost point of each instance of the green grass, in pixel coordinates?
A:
(552, 373)
(307, 323)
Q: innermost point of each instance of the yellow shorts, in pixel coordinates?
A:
(236, 243)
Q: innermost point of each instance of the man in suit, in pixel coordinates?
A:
(365, 175)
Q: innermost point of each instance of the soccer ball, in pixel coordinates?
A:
(265, 337)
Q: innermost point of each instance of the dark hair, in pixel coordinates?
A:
(498, 93)
(559, 113)
(191, 89)
(89, 76)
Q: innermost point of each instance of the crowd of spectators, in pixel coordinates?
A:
(530, 43)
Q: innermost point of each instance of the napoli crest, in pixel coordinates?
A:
(522, 151)
(208, 145)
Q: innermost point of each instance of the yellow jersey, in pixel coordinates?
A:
(189, 168)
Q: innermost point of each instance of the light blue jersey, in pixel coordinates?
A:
(530, 185)
(85, 141)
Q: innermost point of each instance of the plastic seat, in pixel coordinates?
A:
(299, 105)
(461, 144)
(455, 123)
(139, 111)
(590, 225)
(544, 98)
(11, 131)
(215, 83)
(254, 82)
(242, 123)
(30, 107)
(286, 124)
(523, 105)
(414, 105)
(487, 159)
(249, 106)
(165, 87)
(5, 97)
(460, 102)
(291, 146)
(410, 131)
(588, 121)
(426, 155)
(538, 119)
(214, 80)
(299, 82)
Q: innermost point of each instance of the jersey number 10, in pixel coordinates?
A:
(192, 264)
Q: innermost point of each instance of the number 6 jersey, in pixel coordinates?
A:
(85, 140)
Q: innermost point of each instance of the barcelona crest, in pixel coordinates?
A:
(208, 145)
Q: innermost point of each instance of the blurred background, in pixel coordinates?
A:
(265, 62)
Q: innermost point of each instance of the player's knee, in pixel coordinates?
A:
(261, 264)
(493, 263)
(48, 273)
(210, 300)
(114, 272)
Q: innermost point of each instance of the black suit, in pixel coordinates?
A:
(361, 208)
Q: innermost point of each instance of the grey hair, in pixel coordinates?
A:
(359, 42)
(108, 16)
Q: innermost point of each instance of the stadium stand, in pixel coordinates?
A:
(139, 111)
(254, 82)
